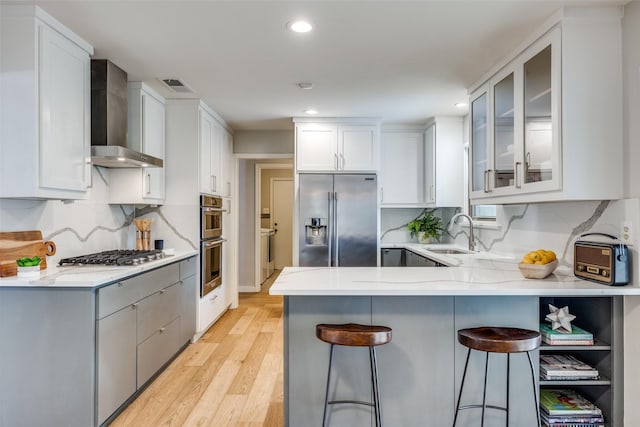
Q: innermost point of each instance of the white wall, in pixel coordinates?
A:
(263, 142)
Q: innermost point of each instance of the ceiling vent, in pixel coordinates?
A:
(177, 86)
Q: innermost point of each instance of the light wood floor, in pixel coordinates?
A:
(231, 377)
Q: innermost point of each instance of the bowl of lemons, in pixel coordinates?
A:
(538, 264)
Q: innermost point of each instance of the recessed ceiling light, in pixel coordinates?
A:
(299, 26)
(310, 111)
(460, 104)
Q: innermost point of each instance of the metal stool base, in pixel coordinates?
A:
(374, 383)
(484, 405)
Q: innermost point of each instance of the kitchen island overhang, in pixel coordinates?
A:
(420, 370)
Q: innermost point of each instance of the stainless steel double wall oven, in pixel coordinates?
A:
(211, 241)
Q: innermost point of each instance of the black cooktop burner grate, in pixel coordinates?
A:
(114, 257)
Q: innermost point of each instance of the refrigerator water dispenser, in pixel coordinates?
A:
(315, 231)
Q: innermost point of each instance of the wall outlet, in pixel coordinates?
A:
(626, 232)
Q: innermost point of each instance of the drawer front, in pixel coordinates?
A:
(211, 307)
(188, 267)
(157, 350)
(157, 310)
(114, 297)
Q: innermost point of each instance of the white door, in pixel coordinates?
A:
(282, 208)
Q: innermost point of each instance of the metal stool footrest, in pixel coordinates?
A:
(479, 405)
(356, 402)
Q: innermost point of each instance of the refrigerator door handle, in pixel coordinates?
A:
(336, 233)
(330, 227)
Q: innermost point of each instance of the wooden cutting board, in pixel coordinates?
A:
(18, 244)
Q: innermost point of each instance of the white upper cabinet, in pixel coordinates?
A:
(443, 164)
(401, 176)
(549, 118)
(146, 133)
(423, 167)
(228, 163)
(211, 142)
(45, 107)
(329, 146)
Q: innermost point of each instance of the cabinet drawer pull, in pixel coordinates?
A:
(341, 162)
(213, 298)
(335, 159)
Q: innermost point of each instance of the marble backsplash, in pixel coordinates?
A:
(92, 225)
(521, 228)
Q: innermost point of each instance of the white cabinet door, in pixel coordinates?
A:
(430, 165)
(357, 148)
(444, 151)
(45, 107)
(64, 88)
(206, 152)
(228, 164)
(216, 158)
(401, 168)
(211, 141)
(316, 147)
(153, 141)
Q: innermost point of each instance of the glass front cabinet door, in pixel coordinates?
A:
(515, 131)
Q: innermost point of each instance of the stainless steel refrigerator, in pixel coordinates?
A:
(338, 220)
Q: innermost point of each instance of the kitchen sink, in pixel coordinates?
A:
(450, 251)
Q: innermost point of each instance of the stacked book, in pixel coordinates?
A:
(555, 367)
(577, 336)
(567, 408)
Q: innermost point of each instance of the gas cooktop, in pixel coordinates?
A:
(114, 257)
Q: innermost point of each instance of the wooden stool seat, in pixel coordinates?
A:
(499, 340)
(353, 335)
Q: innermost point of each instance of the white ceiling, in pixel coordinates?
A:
(402, 61)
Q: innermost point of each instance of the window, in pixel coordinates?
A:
(483, 212)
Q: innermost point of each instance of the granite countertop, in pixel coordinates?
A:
(89, 276)
(477, 274)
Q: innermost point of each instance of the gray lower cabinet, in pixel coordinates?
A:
(189, 297)
(415, 260)
(73, 356)
(142, 323)
(401, 257)
(116, 360)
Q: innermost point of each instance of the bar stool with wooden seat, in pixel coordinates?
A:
(354, 335)
(497, 340)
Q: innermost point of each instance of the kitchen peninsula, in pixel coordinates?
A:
(420, 370)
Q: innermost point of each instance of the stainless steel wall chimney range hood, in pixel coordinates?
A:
(109, 120)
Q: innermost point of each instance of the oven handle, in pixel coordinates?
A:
(213, 210)
(209, 244)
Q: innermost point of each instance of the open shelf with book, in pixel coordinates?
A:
(601, 316)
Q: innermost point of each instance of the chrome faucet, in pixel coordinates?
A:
(472, 239)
